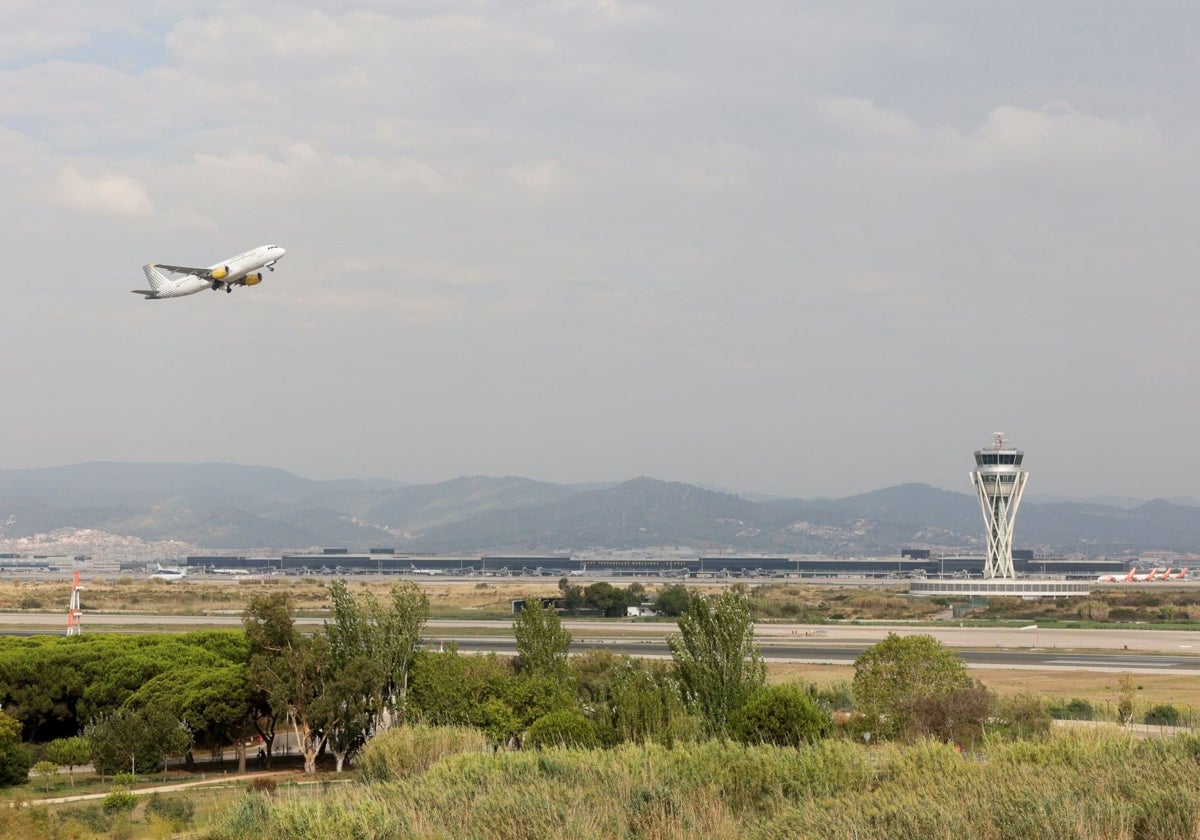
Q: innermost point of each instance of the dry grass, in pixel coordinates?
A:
(1097, 687)
(199, 597)
(485, 598)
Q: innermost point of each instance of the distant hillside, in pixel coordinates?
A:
(229, 507)
(105, 484)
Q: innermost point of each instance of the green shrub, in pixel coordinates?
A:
(780, 714)
(91, 817)
(833, 697)
(1163, 714)
(410, 750)
(118, 801)
(1073, 709)
(14, 763)
(262, 784)
(248, 816)
(562, 728)
(178, 811)
(1024, 716)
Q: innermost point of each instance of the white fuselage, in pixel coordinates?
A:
(243, 270)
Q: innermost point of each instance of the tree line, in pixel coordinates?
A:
(127, 703)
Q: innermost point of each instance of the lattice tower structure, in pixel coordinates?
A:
(74, 613)
(999, 484)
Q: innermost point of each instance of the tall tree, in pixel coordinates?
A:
(399, 637)
(69, 753)
(290, 669)
(131, 738)
(716, 660)
(14, 760)
(217, 704)
(358, 673)
(672, 600)
(542, 642)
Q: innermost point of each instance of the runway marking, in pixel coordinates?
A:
(1114, 663)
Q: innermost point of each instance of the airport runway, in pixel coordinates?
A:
(822, 653)
(1146, 651)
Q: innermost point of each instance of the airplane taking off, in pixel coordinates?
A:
(242, 270)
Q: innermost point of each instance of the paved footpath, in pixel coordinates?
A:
(217, 780)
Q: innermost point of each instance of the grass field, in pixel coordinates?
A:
(804, 603)
(1097, 687)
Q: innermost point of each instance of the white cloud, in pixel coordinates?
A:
(1058, 134)
(105, 194)
(1008, 137)
(863, 119)
(538, 180)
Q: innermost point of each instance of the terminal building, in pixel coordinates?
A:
(909, 564)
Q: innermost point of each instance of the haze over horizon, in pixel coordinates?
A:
(791, 251)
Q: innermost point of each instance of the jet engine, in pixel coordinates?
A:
(253, 279)
(220, 273)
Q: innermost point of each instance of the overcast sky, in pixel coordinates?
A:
(794, 248)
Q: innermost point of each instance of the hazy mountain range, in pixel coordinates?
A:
(229, 507)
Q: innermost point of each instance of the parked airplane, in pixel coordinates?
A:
(413, 570)
(234, 572)
(168, 575)
(242, 270)
(1116, 578)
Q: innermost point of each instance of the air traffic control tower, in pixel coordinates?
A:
(999, 483)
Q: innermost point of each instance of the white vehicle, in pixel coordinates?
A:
(242, 270)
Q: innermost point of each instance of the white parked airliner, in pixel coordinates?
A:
(242, 270)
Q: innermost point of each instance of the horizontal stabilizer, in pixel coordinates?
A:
(150, 294)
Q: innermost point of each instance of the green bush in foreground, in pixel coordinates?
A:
(176, 811)
(562, 728)
(1163, 714)
(784, 715)
(119, 801)
(1074, 709)
(410, 750)
(1066, 787)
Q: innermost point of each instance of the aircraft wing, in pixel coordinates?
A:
(183, 269)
